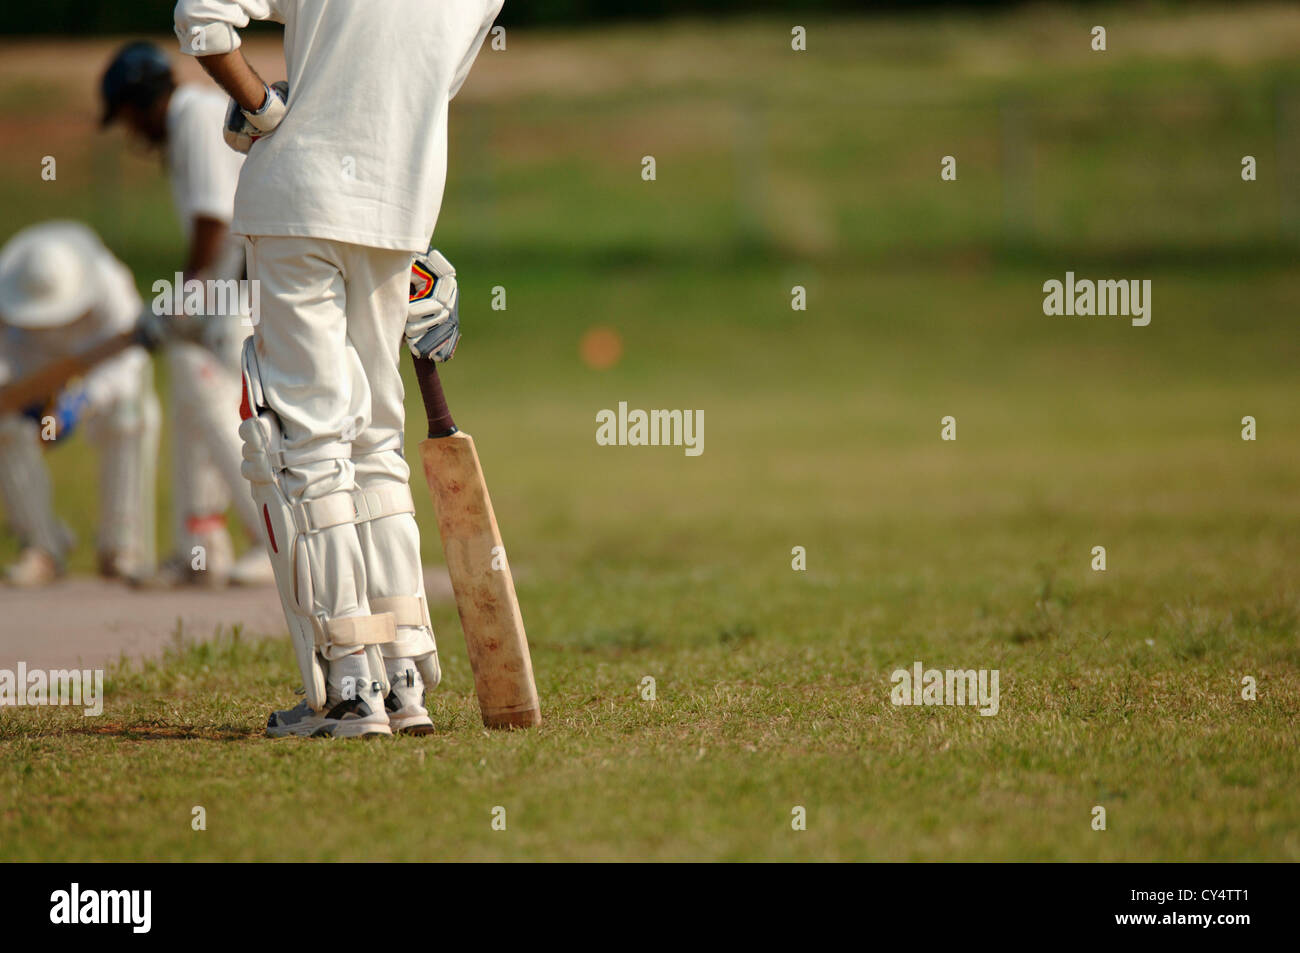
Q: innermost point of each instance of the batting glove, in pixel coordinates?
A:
(243, 128)
(67, 409)
(433, 315)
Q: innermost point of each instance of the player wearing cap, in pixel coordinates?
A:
(61, 292)
(342, 185)
(138, 89)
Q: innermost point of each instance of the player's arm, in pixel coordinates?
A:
(234, 74)
(209, 30)
(207, 241)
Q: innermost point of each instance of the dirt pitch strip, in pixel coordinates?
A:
(92, 623)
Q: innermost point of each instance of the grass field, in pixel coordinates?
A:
(1120, 689)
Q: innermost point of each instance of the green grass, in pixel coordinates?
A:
(1120, 689)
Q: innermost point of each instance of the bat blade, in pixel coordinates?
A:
(49, 380)
(481, 579)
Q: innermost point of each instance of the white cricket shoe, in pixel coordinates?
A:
(176, 572)
(346, 720)
(34, 568)
(405, 702)
(253, 569)
(355, 713)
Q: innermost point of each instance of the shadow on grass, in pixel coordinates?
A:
(158, 732)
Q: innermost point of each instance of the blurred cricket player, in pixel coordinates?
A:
(139, 90)
(62, 292)
(341, 188)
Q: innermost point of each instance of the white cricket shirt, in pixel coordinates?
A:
(361, 155)
(203, 170)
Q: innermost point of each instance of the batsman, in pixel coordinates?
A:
(341, 188)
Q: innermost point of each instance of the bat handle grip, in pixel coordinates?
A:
(435, 401)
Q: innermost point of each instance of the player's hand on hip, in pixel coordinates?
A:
(243, 128)
(433, 315)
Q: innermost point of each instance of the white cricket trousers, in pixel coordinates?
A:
(328, 339)
(204, 396)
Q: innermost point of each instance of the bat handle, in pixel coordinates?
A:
(435, 401)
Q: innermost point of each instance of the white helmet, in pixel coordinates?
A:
(49, 275)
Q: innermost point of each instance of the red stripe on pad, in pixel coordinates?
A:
(270, 533)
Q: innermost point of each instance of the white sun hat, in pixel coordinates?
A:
(49, 275)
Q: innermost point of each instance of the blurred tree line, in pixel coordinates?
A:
(83, 17)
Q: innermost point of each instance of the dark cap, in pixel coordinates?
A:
(139, 74)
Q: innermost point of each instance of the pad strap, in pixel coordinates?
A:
(358, 630)
(334, 509)
(358, 506)
(388, 499)
(406, 610)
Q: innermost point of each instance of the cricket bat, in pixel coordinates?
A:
(49, 380)
(476, 563)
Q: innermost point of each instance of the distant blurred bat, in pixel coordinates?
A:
(150, 331)
(43, 384)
